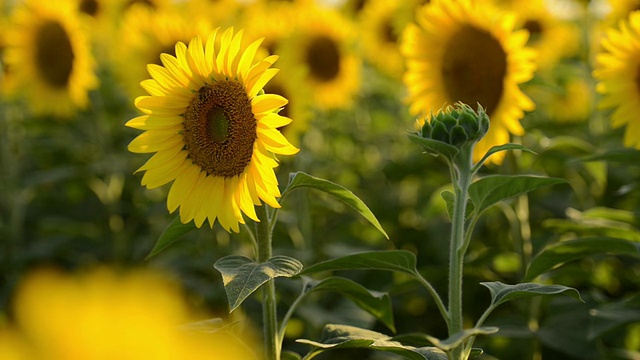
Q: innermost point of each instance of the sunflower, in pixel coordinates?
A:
(321, 44)
(380, 33)
(620, 10)
(213, 132)
(618, 72)
(459, 51)
(552, 38)
(49, 56)
(145, 34)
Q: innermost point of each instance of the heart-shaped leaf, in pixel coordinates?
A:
(242, 276)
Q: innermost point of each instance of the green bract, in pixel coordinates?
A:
(457, 125)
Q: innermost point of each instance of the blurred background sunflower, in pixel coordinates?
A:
(469, 52)
(50, 57)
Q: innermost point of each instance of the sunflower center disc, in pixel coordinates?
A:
(54, 54)
(474, 68)
(89, 7)
(323, 58)
(220, 129)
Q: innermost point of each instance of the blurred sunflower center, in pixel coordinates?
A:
(54, 54)
(323, 58)
(388, 33)
(220, 128)
(474, 67)
(535, 29)
(89, 7)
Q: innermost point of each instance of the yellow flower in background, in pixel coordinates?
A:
(321, 44)
(618, 71)
(108, 315)
(459, 51)
(380, 31)
(620, 10)
(552, 38)
(213, 132)
(49, 56)
(145, 34)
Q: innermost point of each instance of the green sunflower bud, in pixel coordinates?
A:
(456, 125)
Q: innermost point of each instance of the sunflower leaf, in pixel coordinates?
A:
(501, 293)
(392, 260)
(172, 233)
(300, 180)
(435, 147)
(490, 190)
(499, 148)
(242, 276)
(558, 254)
(376, 303)
(456, 339)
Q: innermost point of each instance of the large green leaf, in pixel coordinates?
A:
(490, 190)
(558, 254)
(345, 336)
(456, 339)
(376, 303)
(172, 233)
(301, 180)
(242, 276)
(449, 199)
(613, 315)
(435, 147)
(499, 148)
(392, 260)
(501, 293)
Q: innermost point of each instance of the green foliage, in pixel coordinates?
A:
(501, 293)
(173, 232)
(301, 180)
(242, 276)
(558, 254)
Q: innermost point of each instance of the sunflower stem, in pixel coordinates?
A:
(461, 174)
(269, 311)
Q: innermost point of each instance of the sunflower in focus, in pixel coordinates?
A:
(459, 51)
(49, 56)
(212, 129)
(321, 44)
(103, 315)
(145, 34)
(618, 72)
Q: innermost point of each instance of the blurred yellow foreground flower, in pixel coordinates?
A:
(469, 52)
(103, 315)
(213, 132)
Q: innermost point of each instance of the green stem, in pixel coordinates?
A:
(269, 312)
(457, 246)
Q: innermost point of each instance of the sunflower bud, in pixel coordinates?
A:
(457, 125)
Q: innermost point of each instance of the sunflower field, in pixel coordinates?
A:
(329, 179)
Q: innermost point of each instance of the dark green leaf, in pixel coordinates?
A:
(376, 303)
(501, 293)
(456, 339)
(300, 180)
(613, 315)
(628, 156)
(449, 199)
(392, 260)
(345, 336)
(289, 355)
(435, 147)
(492, 189)
(172, 233)
(499, 148)
(242, 276)
(557, 254)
